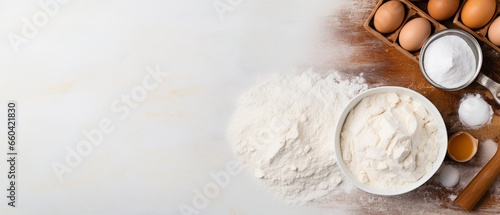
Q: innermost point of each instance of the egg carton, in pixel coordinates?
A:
(480, 33)
(411, 12)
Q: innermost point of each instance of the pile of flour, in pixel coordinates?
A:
(283, 131)
(474, 111)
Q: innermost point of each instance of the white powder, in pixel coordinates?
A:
(452, 197)
(486, 150)
(389, 140)
(450, 62)
(449, 176)
(474, 112)
(283, 131)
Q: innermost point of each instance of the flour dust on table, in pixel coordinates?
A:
(283, 131)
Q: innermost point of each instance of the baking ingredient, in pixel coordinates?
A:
(462, 146)
(449, 176)
(452, 197)
(389, 140)
(449, 62)
(486, 150)
(474, 111)
(442, 9)
(477, 13)
(414, 33)
(282, 130)
(389, 17)
(494, 32)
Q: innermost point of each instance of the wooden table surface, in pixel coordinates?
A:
(383, 65)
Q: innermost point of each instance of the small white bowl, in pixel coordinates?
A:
(432, 110)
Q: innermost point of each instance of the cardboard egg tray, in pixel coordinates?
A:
(481, 33)
(411, 12)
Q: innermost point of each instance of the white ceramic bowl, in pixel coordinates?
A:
(442, 140)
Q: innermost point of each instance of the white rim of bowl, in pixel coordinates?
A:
(431, 109)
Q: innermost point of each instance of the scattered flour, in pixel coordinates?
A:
(283, 132)
(449, 176)
(389, 140)
(452, 197)
(486, 150)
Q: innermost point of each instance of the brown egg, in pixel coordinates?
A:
(442, 9)
(389, 17)
(477, 13)
(494, 32)
(414, 33)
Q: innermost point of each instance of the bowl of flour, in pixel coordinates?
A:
(390, 140)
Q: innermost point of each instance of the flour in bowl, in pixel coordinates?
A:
(389, 140)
